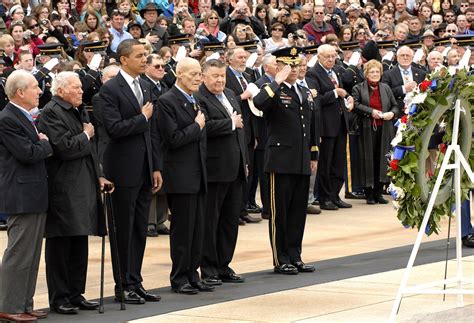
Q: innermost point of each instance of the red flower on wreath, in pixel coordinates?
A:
(394, 164)
(404, 119)
(442, 148)
(425, 85)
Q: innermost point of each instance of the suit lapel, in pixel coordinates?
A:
(220, 106)
(325, 76)
(24, 120)
(233, 82)
(184, 103)
(234, 103)
(128, 92)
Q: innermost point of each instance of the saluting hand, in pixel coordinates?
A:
(282, 75)
(147, 110)
(237, 119)
(200, 119)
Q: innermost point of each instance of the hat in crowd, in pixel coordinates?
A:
(387, 44)
(216, 47)
(288, 55)
(441, 28)
(2, 62)
(464, 40)
(413, 44)
(179, 39)
(150, 6)
(94, 47)
(132, 24)
(428, 33)
(371, 51)
(13, 9)
(250, 46)
(52, 50)
(350, 45)
(311, 49)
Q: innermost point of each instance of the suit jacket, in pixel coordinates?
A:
(133, 143)
(261, 126)
(154, 90)
(292, 141)
(250, 122)
(226, 148)
(101, 136)
(331, 107)
(23, 177)
(91, 83)
(184, 144)
(393, 78)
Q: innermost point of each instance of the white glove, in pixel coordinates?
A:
(312, 61)
(354, 60)
(464, 62)
(49, 65)
(418, 55)
(213, 56)
(182, 53)
(446, 50)
(388, 56)
(251, 60)
(95, 62)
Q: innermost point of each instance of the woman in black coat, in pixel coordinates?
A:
(375, 106)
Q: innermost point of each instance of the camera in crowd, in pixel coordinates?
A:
(241, 11)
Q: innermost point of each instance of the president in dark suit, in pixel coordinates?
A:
(290, 157)
(226, 173)
(334, 121)
(182, 127)
(403, 77)
(131, 162)
(24, 192)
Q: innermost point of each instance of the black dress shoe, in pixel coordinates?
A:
(253, 208)
(130, 297)
(250, 219)
(3, 226)
(328, 205)
(379, 199)
(203, 287)
(241, 222)
(86, 305)
(468, 241)
(354, 196)
(286, 269)
(371, 201)
(67, 309)
(313, 209)
(265, 216)
(152, 232)
(304, 268)
(186, 289)
(213, 281)
(162, 229)
(147, 296)
(341, 204)
(232, 278)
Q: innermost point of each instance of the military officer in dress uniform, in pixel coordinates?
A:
(290, 157)
(175, 43)
(44, 74)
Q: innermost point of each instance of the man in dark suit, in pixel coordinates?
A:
(290, 157)
(226, 173)
(154, 73)
(403, 78)
(334, 121)
(181, 125)
(237, 81)
(24, 192)
(131, 163)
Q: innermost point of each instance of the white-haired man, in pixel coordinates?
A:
(75, 183)
(24, 192)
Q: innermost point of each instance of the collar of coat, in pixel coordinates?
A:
(64, 104)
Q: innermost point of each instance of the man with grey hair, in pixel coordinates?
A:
(75, 209)
(24, 192)
(405, 78)
(434, 59)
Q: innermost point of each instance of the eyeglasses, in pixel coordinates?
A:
(213, 18)
(34, 26)
(319, 13)
(451, 31)
(464, 4)
(277, 29)
(159, 66)
(361, 34)
(449, 16)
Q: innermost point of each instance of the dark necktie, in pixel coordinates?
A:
(333, 78)
(158, 86)
(243, 83)
(257, 73)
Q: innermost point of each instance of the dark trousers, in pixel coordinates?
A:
(352, 180)
(332, 157)
(466, 226)
(260, 177)
(66, 269)
(131, 207)
(288, 206)
(377, 188)
(20, 262)
(159, 209)
(221, 227)
(246, 189)
(186, 236)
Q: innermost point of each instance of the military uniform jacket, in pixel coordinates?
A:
(292, 137)
(44, 83)
(91, 83)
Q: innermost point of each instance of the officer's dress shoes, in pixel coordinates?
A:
(86, 305)
(468, 241)
(212, 280)
(203, 287)
(163, 229)
(304, 268)
(286, 269)
(252, 207)
(341, 204)
(231, 278)
(17, 317)
(38, 314)
(312, 209)
(328, 205)
(186, 289)
(147, 296)
(250, 219)
(379, 199)
(152, 232)
(130, 297)
(354, 195)
(67, 309)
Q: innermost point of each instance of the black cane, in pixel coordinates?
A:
(114, 246)
(101, 299)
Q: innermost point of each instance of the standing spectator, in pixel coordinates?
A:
(209, 28)
(263, 17)
(317, 27)
(91, 20)
(117, 30)
(75, 209)
(276, 41)
(375, 103)
(241, 15)
(463, 25)
(415, 26)
(24, 191)
(156, 34)
(400, 9)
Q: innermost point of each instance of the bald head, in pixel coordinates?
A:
(188, 75)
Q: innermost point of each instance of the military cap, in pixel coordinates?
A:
(288, 55)
(413, 44)
(94, 47)
(350, 45)
(132, 24)
(387, 44)
(311, 49)
(179, 39)
(52, 50)
(150, 6)
(250, 46)
(464, 40)
(216, 47)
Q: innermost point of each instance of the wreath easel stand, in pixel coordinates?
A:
(429, 288)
